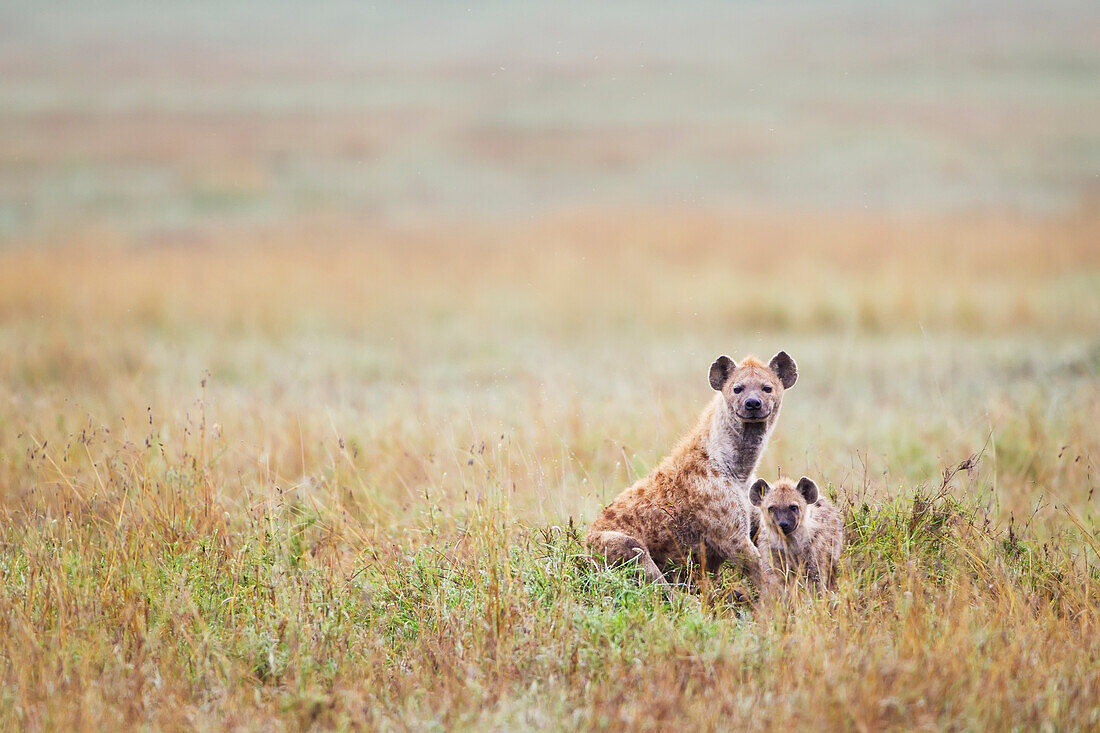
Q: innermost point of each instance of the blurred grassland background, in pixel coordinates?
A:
(321, 289)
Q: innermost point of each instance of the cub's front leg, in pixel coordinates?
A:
(813, 573)
(769, 577)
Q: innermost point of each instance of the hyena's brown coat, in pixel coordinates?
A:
(695, 501)
(800, 531)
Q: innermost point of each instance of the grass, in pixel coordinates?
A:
(175, 619)
(331, 478)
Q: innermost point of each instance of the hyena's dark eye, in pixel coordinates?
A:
(793, 507)
(738, 389)
(771, 509)
(767, 388)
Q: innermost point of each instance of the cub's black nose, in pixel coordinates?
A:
(786, 527)
(753, 403)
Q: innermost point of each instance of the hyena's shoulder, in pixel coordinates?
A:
(653, 502)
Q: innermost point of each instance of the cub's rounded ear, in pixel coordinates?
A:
(785, 368)
(756, 493)
(808, 489)
(720, 371)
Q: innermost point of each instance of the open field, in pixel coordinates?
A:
(156, 118)
(368, 514)
(325, 330)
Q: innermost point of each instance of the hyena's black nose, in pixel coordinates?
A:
(753, 403)
(786, 527)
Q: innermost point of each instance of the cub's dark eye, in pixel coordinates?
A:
(738, 389)
(767, 388)
(771, 509)
(793, 508)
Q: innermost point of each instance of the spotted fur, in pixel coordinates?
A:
(800, 535)
(694, 504)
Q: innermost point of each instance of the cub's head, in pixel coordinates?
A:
(783, 506)
(754, 390)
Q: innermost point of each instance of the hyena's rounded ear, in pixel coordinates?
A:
(785, 368)
(808, 489)
(720, 371)
(756, 493)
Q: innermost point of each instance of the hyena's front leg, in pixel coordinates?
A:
(813, 574)
(830, 576)
(764, 576)
(768, 581)
(739, 549)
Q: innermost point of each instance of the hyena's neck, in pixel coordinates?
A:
(734, 447)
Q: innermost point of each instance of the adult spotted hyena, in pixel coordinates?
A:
(695, 502)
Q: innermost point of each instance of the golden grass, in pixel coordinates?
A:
(330, 476)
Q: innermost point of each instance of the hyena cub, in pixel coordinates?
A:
(800, 530)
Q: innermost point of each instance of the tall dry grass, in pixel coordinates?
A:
(331, 477)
